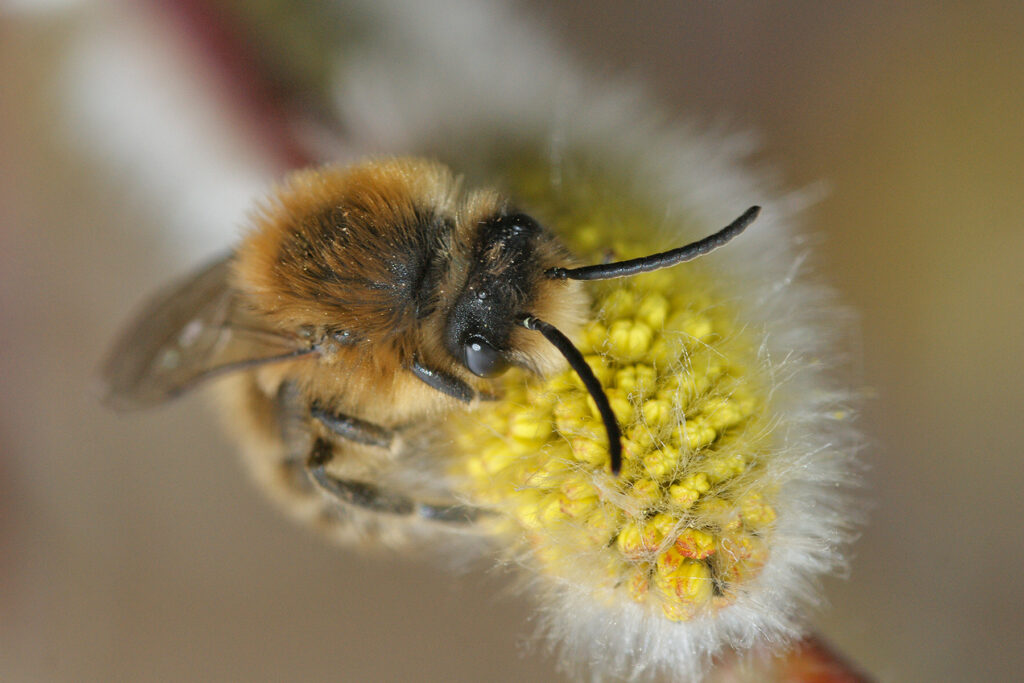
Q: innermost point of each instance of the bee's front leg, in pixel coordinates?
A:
(447, 383)
(376, 499)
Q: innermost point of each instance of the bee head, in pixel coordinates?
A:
(504, 282)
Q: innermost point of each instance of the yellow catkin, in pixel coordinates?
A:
(687, 521)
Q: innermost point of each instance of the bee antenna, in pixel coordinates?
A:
(645, 264)
(577, 363)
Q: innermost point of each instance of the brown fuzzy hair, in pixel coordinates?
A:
(343, 246)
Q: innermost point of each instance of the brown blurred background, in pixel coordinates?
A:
(135, 549)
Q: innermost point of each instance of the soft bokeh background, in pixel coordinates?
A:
(135, 549)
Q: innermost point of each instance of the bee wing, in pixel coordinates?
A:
(192, 330)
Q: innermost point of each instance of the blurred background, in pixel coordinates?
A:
(135, 548)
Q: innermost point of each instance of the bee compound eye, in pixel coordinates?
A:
(482, 359)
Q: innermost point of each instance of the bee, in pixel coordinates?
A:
(365, 304)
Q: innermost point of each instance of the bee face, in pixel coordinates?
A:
(505, 281)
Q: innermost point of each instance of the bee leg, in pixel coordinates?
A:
(376, 499)
(354, 429)
(443, 382)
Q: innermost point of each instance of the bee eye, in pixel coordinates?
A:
(483, 360)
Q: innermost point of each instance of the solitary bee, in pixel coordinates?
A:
(366, 303)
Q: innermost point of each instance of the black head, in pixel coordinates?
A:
(499, 289)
